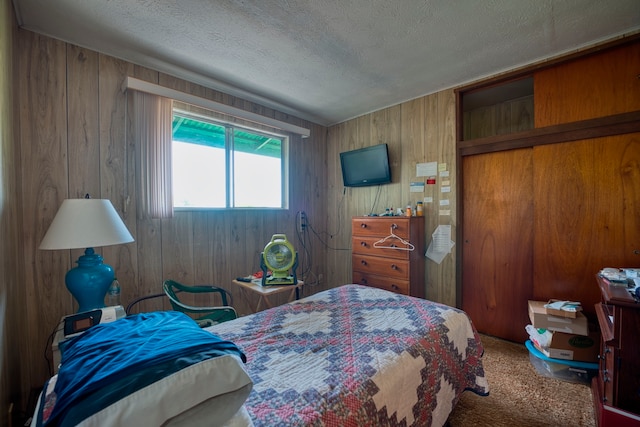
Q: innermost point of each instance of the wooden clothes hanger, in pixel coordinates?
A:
(382, 242)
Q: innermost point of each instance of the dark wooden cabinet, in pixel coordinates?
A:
(616, 389)
(390, 265)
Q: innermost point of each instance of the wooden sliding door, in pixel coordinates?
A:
(539, 224)
(587, 205)
(498, 241)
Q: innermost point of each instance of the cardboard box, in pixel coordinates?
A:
(541, 320)
(573, 347)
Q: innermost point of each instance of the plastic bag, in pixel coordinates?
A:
(542, 337)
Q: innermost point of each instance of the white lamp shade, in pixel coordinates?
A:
(86, 223)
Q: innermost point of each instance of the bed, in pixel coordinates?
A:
(348, 356)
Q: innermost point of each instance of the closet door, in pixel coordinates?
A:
(498, 241)
(587, 205)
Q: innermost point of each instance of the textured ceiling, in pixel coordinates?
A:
(331, 60)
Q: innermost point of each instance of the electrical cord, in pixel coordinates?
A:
(302, 234)
(375, 200)
(326, 245)
(339, 219)
(307, 256)
(319, 235)
(48, 348)
(142, 298)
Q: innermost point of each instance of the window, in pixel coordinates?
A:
(221, 165)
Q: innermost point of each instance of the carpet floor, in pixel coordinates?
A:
(519, 396)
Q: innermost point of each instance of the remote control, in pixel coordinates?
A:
(243, 279)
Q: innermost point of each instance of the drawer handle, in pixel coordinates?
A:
(363, 244)
(394, 267)
(394, 226)
(363, 281)
(395, 287)
(363, 225)
(363, 262)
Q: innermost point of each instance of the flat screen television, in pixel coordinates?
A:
(366, 166)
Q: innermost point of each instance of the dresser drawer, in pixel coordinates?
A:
(380, 226)
(397, 286)
(394, 268)
(363, 245)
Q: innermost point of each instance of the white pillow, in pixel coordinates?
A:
(214, 389)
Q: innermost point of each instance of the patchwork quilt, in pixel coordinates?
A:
(357, 356)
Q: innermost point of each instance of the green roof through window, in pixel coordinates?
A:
(203, 133)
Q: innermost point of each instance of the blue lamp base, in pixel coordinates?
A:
(89, 281)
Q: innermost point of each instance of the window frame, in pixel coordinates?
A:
(202, 114)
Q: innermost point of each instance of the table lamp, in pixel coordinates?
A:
(87, 223)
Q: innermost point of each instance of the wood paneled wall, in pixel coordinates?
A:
(507, 117)
(74, 137)
(417, 131)
(12, 294)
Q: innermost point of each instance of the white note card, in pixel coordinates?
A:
(427, 169)
(441, 244)
(416, 187)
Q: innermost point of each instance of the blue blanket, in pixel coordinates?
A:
(112, 360)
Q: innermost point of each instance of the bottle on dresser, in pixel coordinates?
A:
(113, 294)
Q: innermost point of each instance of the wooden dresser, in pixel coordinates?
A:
(389, 266)
(616, 389)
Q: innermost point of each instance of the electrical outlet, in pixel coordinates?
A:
(301, 221)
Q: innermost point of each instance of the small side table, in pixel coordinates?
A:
(266, 291)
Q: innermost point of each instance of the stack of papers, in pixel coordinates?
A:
(568, 306)
(613, 274)
(627, 277)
